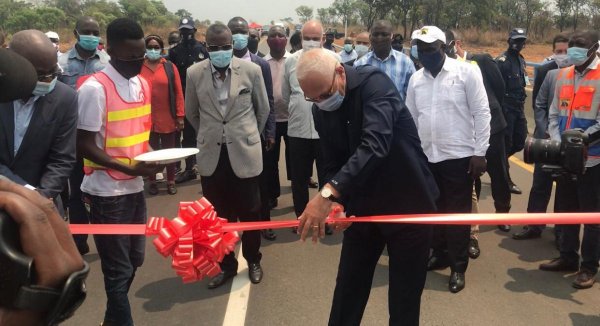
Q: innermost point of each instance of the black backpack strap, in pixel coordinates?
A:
(171, 77)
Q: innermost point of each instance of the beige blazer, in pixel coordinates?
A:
(240, 126)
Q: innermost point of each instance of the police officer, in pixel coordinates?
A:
(512, 67)
(183, 55)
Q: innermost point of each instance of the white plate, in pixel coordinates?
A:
(166, 156)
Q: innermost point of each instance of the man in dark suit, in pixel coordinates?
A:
(37, 137)
(241, 37)
(374, 165)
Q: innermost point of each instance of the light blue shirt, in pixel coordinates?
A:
(23, 111)
(397, 66)
(73, 66)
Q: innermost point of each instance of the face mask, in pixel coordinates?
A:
(348, 48)
(253, 45)
(517, 46)
(42, 88)
(240, 41)
(277, 44)
(309, 45)
(361, 49)
(187, 37)
(88, 42)
(332, 103)
(431, 61)
(127, 69)
(221, 59)
(562, 60)
(577, 56)
(414, 52)
(153, 54)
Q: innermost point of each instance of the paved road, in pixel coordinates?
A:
(504, 286)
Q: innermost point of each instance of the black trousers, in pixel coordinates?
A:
(303, 152)
(188, 141)
(273, 156)
(77, 212)
(408, 248)
(540, 193)
(498, 172)
(266, 186)
(516, 128)
(235, 199)
(456, 189)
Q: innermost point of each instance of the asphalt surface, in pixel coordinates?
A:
(504, 285)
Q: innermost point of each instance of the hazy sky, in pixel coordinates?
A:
(260, 11)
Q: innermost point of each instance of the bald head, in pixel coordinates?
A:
(315, 72)
(312, 27)
(36, 47)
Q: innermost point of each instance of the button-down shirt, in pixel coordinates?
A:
(277, 71)
(74, 66)
(300, 121)
(397, 66)
(23, 111)
(451, 111)
(346, 57)
(221, 87)
(92, 117)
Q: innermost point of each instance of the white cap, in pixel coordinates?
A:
(52, 34)
(429, 34)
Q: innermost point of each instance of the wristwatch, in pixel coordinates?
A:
(18, 278)
(328, 194)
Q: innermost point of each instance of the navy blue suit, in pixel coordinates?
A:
(372, 155)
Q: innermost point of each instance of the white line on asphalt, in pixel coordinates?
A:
(237, 306)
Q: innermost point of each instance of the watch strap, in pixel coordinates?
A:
(36, 298)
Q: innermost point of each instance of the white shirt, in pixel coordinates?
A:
(277, 71)
(451, 111)
(23, 111)
(92, 117)
(346, 57)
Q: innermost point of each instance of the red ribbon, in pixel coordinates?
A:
(198, 240)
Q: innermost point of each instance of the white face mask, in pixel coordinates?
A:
(562, 60)
(309, 45)
(361, 49)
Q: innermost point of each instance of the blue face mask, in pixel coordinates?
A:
(88, 42)
(221, 59)
(431, 61)
(348, 48)
(240, 41)
(414, 52)
(577, 56)
(153, 54)
(361, 49)
(42, 88)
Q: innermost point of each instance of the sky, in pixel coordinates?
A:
(259, 11)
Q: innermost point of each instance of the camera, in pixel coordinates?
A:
(567, 156)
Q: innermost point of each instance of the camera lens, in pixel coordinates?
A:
(544, 151)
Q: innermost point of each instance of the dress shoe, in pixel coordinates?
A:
(186, 176)
(457, 282)
(504, 228)
(255, 273)
(171, 190)
(527, 234)
(560, 265)
(221, 279)
(153, 189)
(269, 234)
(584, 280)
(83, 249)
(437, 263)
(474, 250)
(514, 189)
(313, 184)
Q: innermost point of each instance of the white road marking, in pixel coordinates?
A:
(237, 306)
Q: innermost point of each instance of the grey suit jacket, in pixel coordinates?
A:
(544, 99)
(47, 154)
(240, 127)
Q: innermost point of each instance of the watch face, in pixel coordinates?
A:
(326, 192)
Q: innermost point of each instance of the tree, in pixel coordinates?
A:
(578, 5)
(564, 10)
(182, 13)
(345, 9)
(531, 8)
(324, 16)
(305, 13)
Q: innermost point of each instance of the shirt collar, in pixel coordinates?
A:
(73, 54)
(247, 56)
(116, 77)
(269, 57)
(449, 65)
(30, 101)
(393, 54)
(215, 72)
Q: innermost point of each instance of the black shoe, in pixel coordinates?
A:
(560, 265)
(83, 249)
(313, 184)
(153, 189)
(186, 176)
(457, 282)
(437, 263)
(514, 189)
(474, 250)
(255, 273)
(268, 234)
(504, 228)
(273, 203)
(526, 234)
(328, 230)
(221, 279)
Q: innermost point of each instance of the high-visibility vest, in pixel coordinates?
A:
(127, 127)
(578, 108)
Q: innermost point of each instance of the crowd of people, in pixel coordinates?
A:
(389, 132)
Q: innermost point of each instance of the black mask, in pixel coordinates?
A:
(397, 46)
(252, 44)
(127, 69)
(431, 61)
(516, 46)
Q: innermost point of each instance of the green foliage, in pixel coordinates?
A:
(305, 13)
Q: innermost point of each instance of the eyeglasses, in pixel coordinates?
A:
(214, 48)
(325, 96)
(50, 76)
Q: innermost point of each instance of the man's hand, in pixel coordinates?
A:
(477, 166)
(313, 218)
(338, 212)
(179, 124)
(145, 169)
(269, 144)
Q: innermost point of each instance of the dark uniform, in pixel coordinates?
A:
(183, 55)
